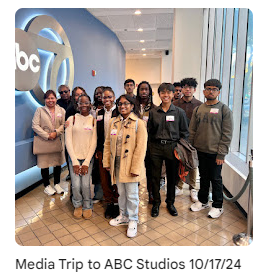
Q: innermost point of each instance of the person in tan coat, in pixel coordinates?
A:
(124, 153)
(48, 123)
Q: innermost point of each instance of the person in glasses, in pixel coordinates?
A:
(166, 125)
(124, 153)
(65, 99)
(104, 115)
(81, 140)
(211, 129)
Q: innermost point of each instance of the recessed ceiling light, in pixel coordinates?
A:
(137, 12)
(143, 49)
(140, 29)
(142, 41)
(144, 54)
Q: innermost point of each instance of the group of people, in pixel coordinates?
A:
(114, 144)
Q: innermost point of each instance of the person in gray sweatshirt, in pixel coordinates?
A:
(211, 128)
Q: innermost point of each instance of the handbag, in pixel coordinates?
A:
(42, 146)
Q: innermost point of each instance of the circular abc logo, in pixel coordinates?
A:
(43, 57)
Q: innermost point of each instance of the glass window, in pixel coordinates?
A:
(247, 87)
(235, 29)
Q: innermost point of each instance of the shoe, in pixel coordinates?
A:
(172, 210)
(115, 211)
(109, 211)
(198, 206)
(178, 191)
(193, 194)
(215, 212)
(58, 189)
(87, 213)
(95, 201)
(132, 229)
(78, 212)
(120, 220)
(155, 210)
(49, 190)
(68, 177)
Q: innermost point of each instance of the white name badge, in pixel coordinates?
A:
(145, 118)
(99, 117)
(87, 128)
(170, 118)
(214, 110)
(113, 132)
(59, 115)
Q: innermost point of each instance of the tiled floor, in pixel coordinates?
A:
(48, 221)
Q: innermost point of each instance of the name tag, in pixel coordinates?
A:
(87, 128)
(113, 132)
(59, 115)
(99, 117)
(214, 110)
(145, 118)
(170, 118)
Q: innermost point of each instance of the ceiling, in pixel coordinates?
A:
(157, 25)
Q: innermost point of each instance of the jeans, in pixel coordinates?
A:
(210, 172)
(56, 175)
(128, 195)
(81, 187)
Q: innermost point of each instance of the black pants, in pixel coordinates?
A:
(210, 172)
(159, 153)
(56, 174)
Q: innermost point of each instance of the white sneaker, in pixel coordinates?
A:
(132, 229)
(193, 194)
(198, 206)
(58, 188)
(215, 212)
(178, 191)
(49, 190)
(120, 220)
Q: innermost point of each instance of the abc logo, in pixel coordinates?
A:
(27, 62)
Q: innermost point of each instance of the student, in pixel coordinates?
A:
(129, 86)
(211, 130)
(144, 102)
(124, 153)
(178, 91)
(188, 103)
(104, 115)
(81, 142)
(166, 125)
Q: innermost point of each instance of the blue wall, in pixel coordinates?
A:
(94, 47)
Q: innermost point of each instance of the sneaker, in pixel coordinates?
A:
(198, 206)
(87, 213)
(95, 201)
(215, 212)
(49, 190)
(178, 191)
(193, 194)
(59, 189)
(120, 220)
(132, 229)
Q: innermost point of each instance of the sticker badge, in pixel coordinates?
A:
(99, 118)
(113, 132)
(170, 118)
(87, 128)
(214, 110)
(59, 115)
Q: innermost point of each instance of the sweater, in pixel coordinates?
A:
(81, 138)
(211, 129)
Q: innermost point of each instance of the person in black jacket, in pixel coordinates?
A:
(166, 125)
(104, 115)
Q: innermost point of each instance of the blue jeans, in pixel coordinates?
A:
(81, 187)
(128, 195)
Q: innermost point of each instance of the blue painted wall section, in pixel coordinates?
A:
(94, 47)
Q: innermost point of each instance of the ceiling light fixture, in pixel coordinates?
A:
(142, 41)
(143, 49)
(144, 54)
(137, 12)
(140, 29)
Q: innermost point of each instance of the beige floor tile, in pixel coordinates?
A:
(27, 236)
(112, 231)
(109, 242)
(41, 231)
(218, 240)
(55, 226)
(153, 234)
(130, 243)
(81, 234)
(73, 228)
(121, 238)
(185, 242)
(67, 239)
(208, 243)
(89, 241)
(32, 242)
(192, 226)
(226, 234)
(196, 238)
(174, 236)
(92, 229)
(46, 238)
(142, 240)
(53, 243)
(100, 236)
(60, 232)
(205, 233)
(163, 241)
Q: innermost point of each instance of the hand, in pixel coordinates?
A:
(52, 135)
(66, 124)
(134, 175)
(84, 170)
(76, 170)
(219, 162)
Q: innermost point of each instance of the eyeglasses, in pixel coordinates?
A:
(107, 97)
(212, 89)
(63, 91)
(123, 104)
(84, 104)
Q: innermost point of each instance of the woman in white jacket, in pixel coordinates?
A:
(81, 142)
